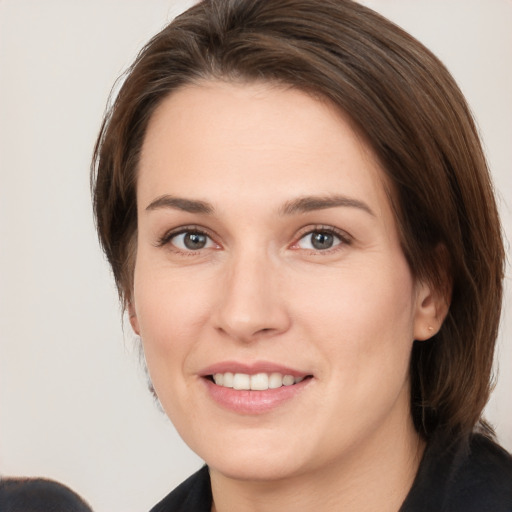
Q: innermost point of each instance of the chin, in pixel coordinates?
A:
(264, 469)
(256, 456)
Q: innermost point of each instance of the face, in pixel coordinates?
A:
(274, 303)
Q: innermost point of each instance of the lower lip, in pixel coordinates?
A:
(253, 402)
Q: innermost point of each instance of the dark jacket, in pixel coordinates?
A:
(461, 477)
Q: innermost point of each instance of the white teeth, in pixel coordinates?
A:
(275, 380)
(256, 382)
(288, 380)
(241, 381)
(227, 380)
(259, 381)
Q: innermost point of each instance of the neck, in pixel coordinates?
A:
(374, 476)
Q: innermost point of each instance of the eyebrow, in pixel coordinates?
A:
(311, 203)
(300, 205)
(180, 203)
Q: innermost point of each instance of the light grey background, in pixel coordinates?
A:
(73, 398)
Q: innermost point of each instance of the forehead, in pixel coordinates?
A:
(254, 108)
(250, 136)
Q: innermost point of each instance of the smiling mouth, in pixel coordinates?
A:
(255, 382)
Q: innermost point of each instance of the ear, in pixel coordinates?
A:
(134, 321)
(432, 305)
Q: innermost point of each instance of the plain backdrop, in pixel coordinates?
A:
(73, 399)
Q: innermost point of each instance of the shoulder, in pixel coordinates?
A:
(193, 495)
(484, 479)
(465, 477)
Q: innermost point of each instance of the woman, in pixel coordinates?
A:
(301, 225)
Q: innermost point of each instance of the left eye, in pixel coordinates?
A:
(191, 241)
(319, 241)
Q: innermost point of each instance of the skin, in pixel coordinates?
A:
(259, 291)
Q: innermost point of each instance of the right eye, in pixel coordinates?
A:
(191, 241)
(319, 240)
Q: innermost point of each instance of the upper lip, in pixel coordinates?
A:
(251, 368)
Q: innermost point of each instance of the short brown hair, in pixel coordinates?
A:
(412, 114)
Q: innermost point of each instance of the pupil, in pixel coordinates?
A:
(322, 240)
(194, 241)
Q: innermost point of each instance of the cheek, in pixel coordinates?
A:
(363, 318)
(171, 313)
(363, 325)
(171, 318)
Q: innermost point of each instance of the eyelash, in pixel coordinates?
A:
(190, 230)
(342, 236)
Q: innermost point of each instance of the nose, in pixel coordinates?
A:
(251, 302)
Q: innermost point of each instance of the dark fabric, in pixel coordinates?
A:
(457, 478)
(193, 495)
(38, 495)
(462, 478)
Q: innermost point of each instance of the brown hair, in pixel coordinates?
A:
(413, 115)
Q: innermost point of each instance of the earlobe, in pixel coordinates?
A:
(431, 309)
(134, 322)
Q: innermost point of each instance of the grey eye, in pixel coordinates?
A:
(194, 241)
(190, 241)
(319, 241)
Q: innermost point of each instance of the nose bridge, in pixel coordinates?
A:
(250, 300)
